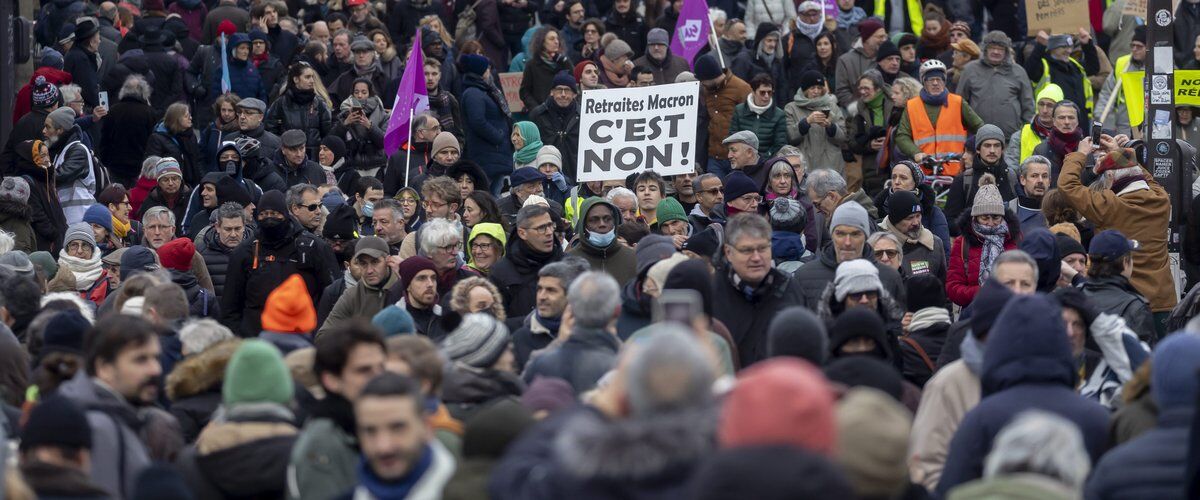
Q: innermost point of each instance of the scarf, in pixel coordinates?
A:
(1063, 144)
(811, 30)
(610, 71)
(120, 229)
(1119, 186)
(993, 245)
(756, 109)
(928, 317)
(551, 324)
(533, 143)
(330, 176)
(875, 107)
(349, 279)
(849, 18)
(260, 58)
(934, 100)
(394, 490)
(303, 96)
(86, 271)
(935, 44)
(1042, 131)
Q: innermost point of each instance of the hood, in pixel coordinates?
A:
(492, 229)
(234, 41)
(10, 209)
(581, 220)
(255, 468)
(1024, 348)
(470, 168)
(651, 448)
(201, 372)
(787, 246)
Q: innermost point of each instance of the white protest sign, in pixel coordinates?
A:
(622, 131)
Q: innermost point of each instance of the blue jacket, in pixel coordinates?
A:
(1027, 365)
(581, 360)
(1151, 466)
(244, 79)
(487, 127)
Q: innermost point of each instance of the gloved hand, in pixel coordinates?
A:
(559, 181)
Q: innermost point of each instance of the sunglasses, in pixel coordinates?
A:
(715, 190)
(891, 254)
(310, 208)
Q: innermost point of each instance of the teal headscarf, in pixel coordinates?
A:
(533, 143)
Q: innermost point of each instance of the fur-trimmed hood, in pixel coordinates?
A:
(201, 372)
(10, 209)
(634, 450)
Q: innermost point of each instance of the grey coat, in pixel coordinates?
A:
(118, 454)
(850, 66)
(1001, 94)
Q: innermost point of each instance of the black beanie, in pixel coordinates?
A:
(1067, 245)
(231, 190)
(902, 204)
(271, 200)
(886, 50)
(342, 224)
(854, 371)
(56, 421)
(64, 333)
(336, 145)
(703, 243)
(990, 299)
(797, 332)
(859, 322)
(925, 290)
(692, 274)
(811, 78)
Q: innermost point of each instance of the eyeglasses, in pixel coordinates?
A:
(544, 228)
(310, 208)
(481, 247)
(715, 191)
(408, 201)
(857, 296)
(751, 198)
(451, 248)
(891, 254)
(432, 205)
(750, 251)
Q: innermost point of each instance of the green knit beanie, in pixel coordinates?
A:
(256, 374)
(668, 210)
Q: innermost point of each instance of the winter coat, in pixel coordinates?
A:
(487, 127)
(667, 70)
(1151, 466)
(343, 87)
(822, 146)
(364, 145)
(748, 313)
(202, 303)
(533, 336)
(167, 85)
(74, 167)
(863, 128)
(46, 215)
(925, 255)
(629, 27)
(931, 339)
(850, 66)
(243, 456)
(181, 146)
(1015, 486)
(490, 36)
(945, 400)
(244, 79)
(313, 118)
(932, 218)
(216, 259)
(466, 389)
(84, 68)
(799, 53)
(720, 105)
(770, 126)
(750, 63)
(156, 198)
(309, 172)
(813, 277)
(15, 219)
(580, 360)
(1116, 295)
(1067, 75)
(23, 103)
(256, 268)
(239, 16)
(1001, 94)
(516, 276)
(194, 388)
(1022, 369)
(360, 301)
(559, 128)
(960, 198)
(616, 259)
(538, 80)
(1138, 212)
(122, 148)
(59, 482)
(776, 12)
(329, 297)
(324, 457)
(962, 275)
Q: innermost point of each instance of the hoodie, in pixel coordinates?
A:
(615, 259)
(1027, 365)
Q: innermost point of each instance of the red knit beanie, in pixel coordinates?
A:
(226, 28)
(780, 401)
(411, 266)
(177, 254)
(580, 67)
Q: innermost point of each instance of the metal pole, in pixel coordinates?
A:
(1162, 153)
(408, 156)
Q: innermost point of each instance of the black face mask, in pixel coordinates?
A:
(273, 229)
(231, 166)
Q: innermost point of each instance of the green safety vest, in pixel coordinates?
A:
(915, 17)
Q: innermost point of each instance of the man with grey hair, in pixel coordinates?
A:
(227, 231)
(827, 190)
(533, 247)
(542, 326)
(387, 219)
(304, 202)
(594, 301)
(158, 227)
(747, 290)
(625, 201)
(199, 334)
(743, 155)
(850, 226)
(1033, 178)
(1038, 452)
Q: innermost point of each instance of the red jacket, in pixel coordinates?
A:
(139, 192)
(24, 103)
(962, 279)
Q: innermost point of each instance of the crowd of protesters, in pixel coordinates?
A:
(902, 268)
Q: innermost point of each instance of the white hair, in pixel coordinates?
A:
(71, 92)
(715, 14)
(439, 233)
(594, 298)
(135, 86)
(1040, 442)
(198, 334)
(620, 191)
(84, 309)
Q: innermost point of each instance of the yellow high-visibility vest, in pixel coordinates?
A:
(1087, 86)
(915, 17)
(1029, 140)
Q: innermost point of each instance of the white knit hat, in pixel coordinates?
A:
(855, 276)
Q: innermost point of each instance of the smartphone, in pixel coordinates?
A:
(104, 98)
(680, 306)
(1097, 128)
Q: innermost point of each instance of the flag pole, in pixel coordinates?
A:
(713, 29)
(408, 156)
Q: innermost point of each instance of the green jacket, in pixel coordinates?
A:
(360, 301)
(904, 140)
(770, 127)
(323, 462)
(616, 259)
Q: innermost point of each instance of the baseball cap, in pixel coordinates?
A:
(1111, 244)
(373, 246)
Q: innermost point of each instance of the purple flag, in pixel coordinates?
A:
(691, 30)
(411, 99)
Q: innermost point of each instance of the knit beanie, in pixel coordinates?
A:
(787, 215)
(779, 401)
(488, 432)
(851, 214)
(96, 214)
(1173, 381)
(988, 201)
(703, 243)
(668, 210)
(549, 154)
(872, 447)
(887, 49)
(256, 374)
(65, 332)
(659, 271)
(45, 94)
(177, 254)
(410, 267)
(902, 204)
(797, 332)
(564, 79)
(79, 231)
(478, 342)
(167, 166)
(1068, 245)
(289, 308)
(578, 71)
(1116, 160)
(50, 58)
(271, 200)
(394, 320)
(63, 117)
(707, 67)
(989, 301)
(924, 290)
(342, 223)
(15, 189)
(56, 421)
(548, 394)
(652, 249)
(137, 259)
(867, 27)
(474, 64)
(442, 141)
(856, 276)
(337, 146)
(988, 132)
(738, 184)
(811, 78)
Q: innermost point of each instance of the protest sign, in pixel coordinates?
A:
(623, 131)
(1056, 16)
(1138, 8)
(1187, 92)
(510, 83)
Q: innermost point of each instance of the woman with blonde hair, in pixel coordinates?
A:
(477, 295)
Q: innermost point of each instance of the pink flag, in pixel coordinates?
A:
(691, 30)
(411, 99)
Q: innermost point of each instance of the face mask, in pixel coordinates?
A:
(230, 166)
(368, 209)
(602, 240)
(273, 229)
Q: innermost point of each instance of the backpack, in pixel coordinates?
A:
(466, 29)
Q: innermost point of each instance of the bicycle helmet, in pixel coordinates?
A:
(932, 65)
(247, 146)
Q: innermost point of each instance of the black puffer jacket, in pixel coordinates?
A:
(747, 314)
(201, 303)
(308, 172)
(559, 128)
(216, 258)
(516, 276)
(49, 224)
(296, 110)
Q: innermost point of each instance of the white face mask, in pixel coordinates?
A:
(602, 240)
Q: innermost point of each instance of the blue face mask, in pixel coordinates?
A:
(601, 240)
(368, 209)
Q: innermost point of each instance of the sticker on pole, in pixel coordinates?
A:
(1162, 17)
(1159, 93)
(624, 131)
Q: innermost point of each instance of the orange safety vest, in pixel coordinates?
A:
(949, 136)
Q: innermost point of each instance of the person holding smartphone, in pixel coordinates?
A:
(815, 123)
